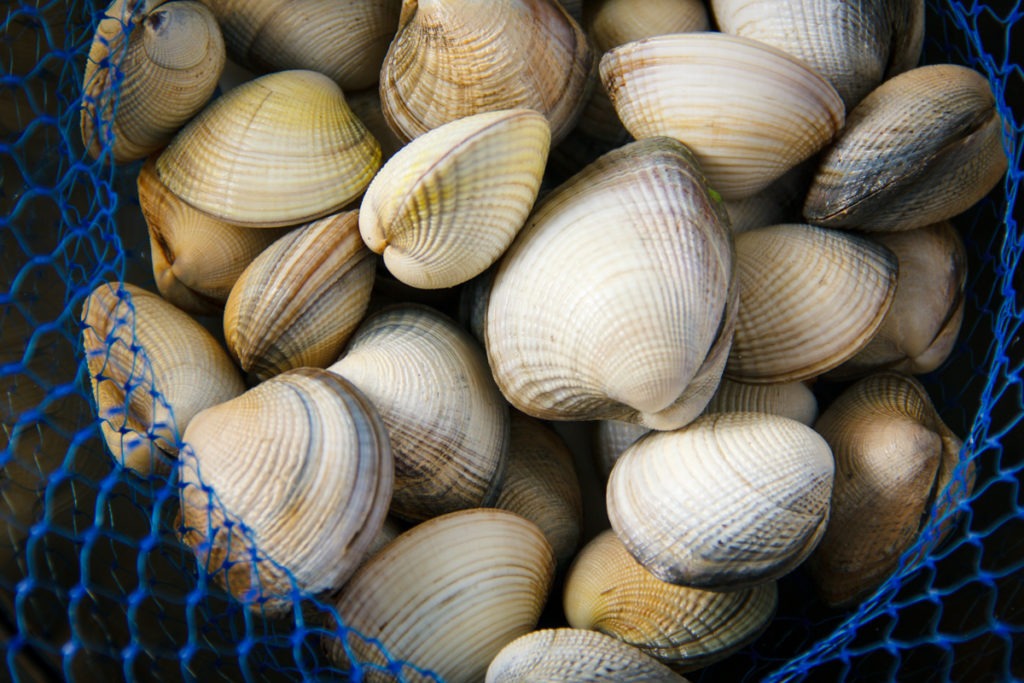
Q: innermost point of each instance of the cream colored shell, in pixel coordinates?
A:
(152, 370)
(650, 294)
(793, 400)
(447, 595)
(449, 203)
(748, 111)
(611, 23)
(278, 150)
(611, 438)
(732, 500)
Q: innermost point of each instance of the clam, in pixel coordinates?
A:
(449, 428)
(894, 460)
(285, 487)
(343, 39)
(920, 329)
(278, 150)
(921, 148)
(196, 257)
(300, 300)
(455, 58)
(731, 500)
(153, 369)
(854, 45)
(607, 591)
(365, 104)
(541, 485)
(446, 595)
(473, 303)
(611, 438)
(810, 299)
(749, 112)
(574, 8)
(650, 294)
(466, 190)
(611, 23)
(570, 654)
(152, 66)
(792, 399)
(780, 202)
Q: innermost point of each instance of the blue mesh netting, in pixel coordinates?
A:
(94, 582)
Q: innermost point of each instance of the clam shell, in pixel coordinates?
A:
(780, 202)
(152, 369)
(455, 58)
(196, 258)
(921, 148)
(365, 104)
(569, 654)
(731, 500)
(466, 190)
(894, 456)
(854, 45)
(920, 329)
(607, 591)
(793, 400)
(747, 110)
(810, 299)
(448, 426)
(345, 40)
(611, 438)
(301, 299)
(285, 487)
(152, 66)
(650, 294)
(278, 150)
(447, 595)
(541, 485)
(611, 23)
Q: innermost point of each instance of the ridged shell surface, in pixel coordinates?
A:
(365, 104)
(731, 500)
(810, 299)
(608, 591)
(894, 459)
(196, 258)
(650, 294)
(152, 66)
(611, 438)
(748, 111)
(345, 40)
(855, 45)
(455, 58)
(921, 328)
(570, 654)
(302, 463)
(921, 148)
(278, 150)
(793, 400)
(541, 484)
(447, 595)
(449, 427)
(171, 367)
(449, 203)
(611, 23)
(301, 299)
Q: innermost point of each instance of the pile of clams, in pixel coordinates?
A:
(676, 237)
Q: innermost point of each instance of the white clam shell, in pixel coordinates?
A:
(793, 400)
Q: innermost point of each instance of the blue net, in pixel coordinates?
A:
(95, 584)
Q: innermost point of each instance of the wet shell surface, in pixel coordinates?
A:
(921, 148)
(196, 258)
(607, 591)
(731, 500)
(455, 58)
(920, 329)
(448, 426)
(301, 299)
(466, 190)
(541, 485)
(152, 66)
(292, 477)
(810, 299)
(447, 595)
(894, 457)
(747, 110)
(278, 150)
(345, 40)
(793, 400)
(169, 366)
(854, 45)
(650, 294)
(569, 654)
